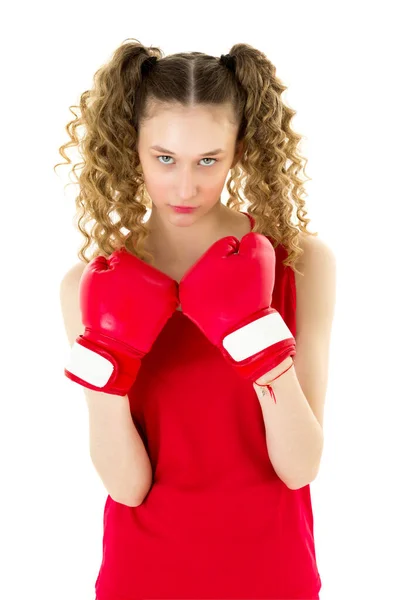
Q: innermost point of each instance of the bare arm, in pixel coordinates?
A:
(116, 448)
(294, 423)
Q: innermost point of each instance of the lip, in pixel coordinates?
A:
(183, 209)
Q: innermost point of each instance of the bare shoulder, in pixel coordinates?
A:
(69, 301)
(316, 287)
(314, 248)
(73, 274)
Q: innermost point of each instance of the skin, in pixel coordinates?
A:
(188, 178)
(293, 423)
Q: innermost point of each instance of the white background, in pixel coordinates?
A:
(340, 65)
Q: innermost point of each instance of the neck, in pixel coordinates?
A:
(173, 234)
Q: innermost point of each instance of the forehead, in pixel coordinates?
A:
(197, 111)
(210, 127)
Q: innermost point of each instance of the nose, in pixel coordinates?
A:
(187, 187)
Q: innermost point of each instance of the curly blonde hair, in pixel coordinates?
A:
(112, 190)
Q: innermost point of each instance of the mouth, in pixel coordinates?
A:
(183, 208)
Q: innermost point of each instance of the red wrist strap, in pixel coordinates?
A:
(268, 386)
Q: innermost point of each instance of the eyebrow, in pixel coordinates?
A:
(211, 153)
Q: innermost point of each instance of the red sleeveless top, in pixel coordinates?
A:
(217, 522)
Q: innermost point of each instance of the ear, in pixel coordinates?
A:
(238, 153)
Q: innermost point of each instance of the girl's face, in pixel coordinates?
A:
(186, 155)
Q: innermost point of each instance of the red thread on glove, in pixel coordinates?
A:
(268, 385)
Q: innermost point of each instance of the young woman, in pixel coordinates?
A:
(201, 348)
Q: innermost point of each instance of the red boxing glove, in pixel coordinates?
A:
(125, 304)
(228, 293)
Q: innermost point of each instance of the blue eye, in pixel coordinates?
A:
(166, 156)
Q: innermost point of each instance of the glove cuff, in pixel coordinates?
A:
(94, 367)
(259, 345)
